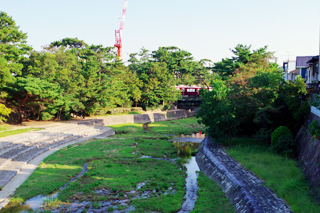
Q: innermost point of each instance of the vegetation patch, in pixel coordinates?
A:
(210, 197)
(115, 170)
(280, 174)
(17, 131)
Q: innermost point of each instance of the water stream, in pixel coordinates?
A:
(186, 147)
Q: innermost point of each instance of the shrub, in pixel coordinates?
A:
(66, 116)
(280, 131)
(284, 146)
(314, 129)
(46, 116)
(136, 109)
(167, 107)
(121, 110)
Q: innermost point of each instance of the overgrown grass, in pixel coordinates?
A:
(116, 165)
(17, 131)
(280, 174)
(210, 197)
(4, 127)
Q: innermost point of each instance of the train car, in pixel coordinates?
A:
(190, 91)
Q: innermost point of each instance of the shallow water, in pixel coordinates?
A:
(191, 186)
(184, 151)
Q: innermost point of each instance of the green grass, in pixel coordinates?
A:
(210, 197)
(17, 131)
(280, 174)
(113, 166)
(4, 127)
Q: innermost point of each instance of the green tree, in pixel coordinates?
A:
(253, 87)
(158, 84)
(13, 47)
(31, 90)
(217, 111)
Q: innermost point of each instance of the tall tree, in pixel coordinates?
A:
(253, 87)
(13, 47)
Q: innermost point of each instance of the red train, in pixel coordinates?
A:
(190, 91)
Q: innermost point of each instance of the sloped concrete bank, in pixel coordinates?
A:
(245, 190)
(308, 156)
(139, 118)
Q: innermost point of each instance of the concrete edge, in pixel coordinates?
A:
(234, 189)
(9, 189)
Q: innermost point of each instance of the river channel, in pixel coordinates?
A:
(186, 146)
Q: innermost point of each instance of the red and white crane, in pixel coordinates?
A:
(119, 32)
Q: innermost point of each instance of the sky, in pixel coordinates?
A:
(206, 28)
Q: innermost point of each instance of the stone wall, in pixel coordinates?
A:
(308, 156)
(140, 118)
(245, 190)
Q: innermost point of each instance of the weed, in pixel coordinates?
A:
(122, 207)
(17, 131)
(95, 205)
(51, 203)
(110, 209)
(281, 174)
(211, 197)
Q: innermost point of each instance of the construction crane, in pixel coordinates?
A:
(119, 32)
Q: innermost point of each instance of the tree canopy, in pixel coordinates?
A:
(250, 96)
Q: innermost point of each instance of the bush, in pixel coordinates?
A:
(120, 110)
(136, 109)
(284, 146)
(66, 116)
(167, 107)
(314, 129)
(280, 131)
(46, 116)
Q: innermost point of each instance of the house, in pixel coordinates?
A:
(313, 76)
(289, 70)
(302, 66)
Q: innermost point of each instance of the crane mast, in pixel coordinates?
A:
(118, 33)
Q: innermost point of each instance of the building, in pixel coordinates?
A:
(289, 70)
(313, 76)
(302, 66)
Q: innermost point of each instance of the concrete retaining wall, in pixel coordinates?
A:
(245, 190)
(308, 150)
(140, 118)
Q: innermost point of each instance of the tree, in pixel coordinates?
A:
(31, 90)
(179, 62)
(158, 84)
(217, 111)
(253, 87)
(13, 47)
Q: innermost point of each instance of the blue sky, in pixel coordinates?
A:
(206, 28)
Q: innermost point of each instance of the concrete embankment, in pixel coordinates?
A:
(245, 190)
(308, 149)
(139, 118)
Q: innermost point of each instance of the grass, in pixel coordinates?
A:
(280, 174)
(116, 114)
(16, 131)
(4, 127)
(112, 166)
(211, 197)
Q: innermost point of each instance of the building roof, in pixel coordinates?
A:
(294, 71)
(302, 61)
(313, 59)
